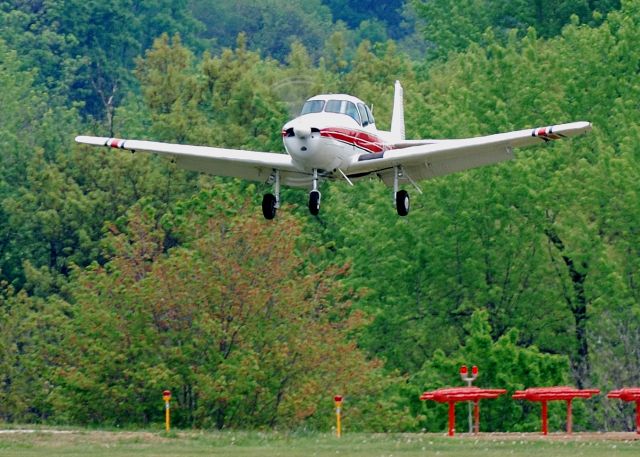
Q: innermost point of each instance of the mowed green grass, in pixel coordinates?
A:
(240, 444)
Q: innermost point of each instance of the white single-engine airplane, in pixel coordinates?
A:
(335, 137)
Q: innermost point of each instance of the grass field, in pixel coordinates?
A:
(51, 443)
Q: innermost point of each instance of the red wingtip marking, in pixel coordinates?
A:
(116, 143)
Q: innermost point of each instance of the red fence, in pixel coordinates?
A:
(456, 394)
(546, 394)
(538, 394)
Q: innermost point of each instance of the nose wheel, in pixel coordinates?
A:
(314, 202)
(314, 195)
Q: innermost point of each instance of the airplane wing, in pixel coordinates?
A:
(424, 159)
(251, 165)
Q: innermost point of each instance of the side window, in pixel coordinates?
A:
(363, 114)
(352, 111)
(370, 115)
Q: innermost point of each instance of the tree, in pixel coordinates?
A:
(271, 26)
(453, 26)
(31, 332)
(85, 49)
(207, 322)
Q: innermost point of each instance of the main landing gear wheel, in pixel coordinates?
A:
(314, 202)
(269, 206)
(402, 202)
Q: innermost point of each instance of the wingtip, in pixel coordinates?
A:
(575, 128)
(583, 125)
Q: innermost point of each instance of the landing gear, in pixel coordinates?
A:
(269, 206)
(271, 202)
(401, 196)
(314, 202)
(314, 195)
(402, 202)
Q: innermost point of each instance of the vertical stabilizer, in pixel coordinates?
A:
(397, 119)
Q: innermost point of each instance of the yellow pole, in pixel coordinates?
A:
(338, 401)
(166, 396)
(167, 417)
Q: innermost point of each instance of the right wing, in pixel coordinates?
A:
(425, 159)
(237, 163)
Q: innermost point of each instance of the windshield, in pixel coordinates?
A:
(343, 107)
(312, 106)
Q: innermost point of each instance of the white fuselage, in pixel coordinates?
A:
(327, 141)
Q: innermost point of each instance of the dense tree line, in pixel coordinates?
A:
(121, 275)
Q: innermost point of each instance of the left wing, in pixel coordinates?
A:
(428, 159)
(238, 163)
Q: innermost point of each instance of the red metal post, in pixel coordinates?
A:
(452, 418)
(638, 417)
(569, 417)
(545, 428)
(476, 413)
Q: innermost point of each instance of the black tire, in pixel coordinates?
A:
(402, 202)
(269, 206)
(314, 202)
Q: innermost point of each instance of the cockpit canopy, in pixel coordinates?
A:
(352, 108)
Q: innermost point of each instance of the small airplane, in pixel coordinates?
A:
(335, 138)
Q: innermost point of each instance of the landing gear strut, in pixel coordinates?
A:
(401, 196)
(314, 195)
(271, 202)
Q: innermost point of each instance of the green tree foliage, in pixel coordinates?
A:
(353, 13)
(453, 26)
(228, 100)
(271, 26)
(32, 132)
(84, 49)
(242, 332)
(30, 338)
(54, 204)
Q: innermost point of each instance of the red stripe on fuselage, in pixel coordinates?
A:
(357, 138)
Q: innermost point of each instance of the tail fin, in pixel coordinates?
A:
(397, 118)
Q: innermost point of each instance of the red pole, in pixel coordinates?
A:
(476, 412)
(569, 418)
(545, 428)
(452, 418)
(638, 417)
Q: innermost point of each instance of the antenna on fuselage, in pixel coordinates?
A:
(397, 118)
